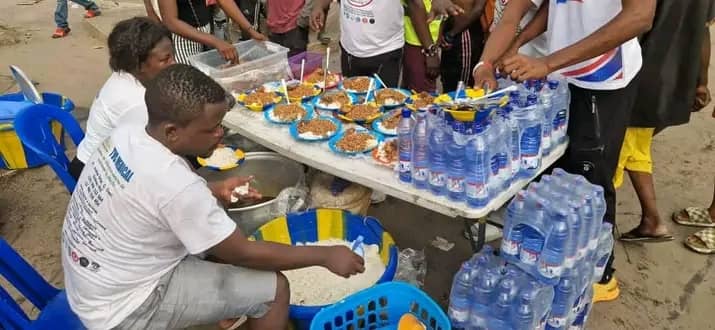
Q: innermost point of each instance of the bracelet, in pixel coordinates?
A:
(430, 51)
(482, 63)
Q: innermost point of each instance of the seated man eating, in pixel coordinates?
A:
(139, 213)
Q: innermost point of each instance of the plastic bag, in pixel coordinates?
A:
(411, 267)
(291, 199)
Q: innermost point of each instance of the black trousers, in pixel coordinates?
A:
(597, 126)
(459, 60)
(386, 65)
(75, 168)
(295, 40)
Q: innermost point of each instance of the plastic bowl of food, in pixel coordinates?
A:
(223, 158)
(363, 113)
(387, 124)
(390, 98)
(288, 113)
(258, 100)
(354, 141)
(387, 153)
(333, 100)
(421, 101)
(302, 92)
(359, 85)
(318, 78)
(315, 129)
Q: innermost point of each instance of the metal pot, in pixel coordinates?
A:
(272, 173)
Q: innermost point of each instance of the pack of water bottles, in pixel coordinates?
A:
(555, 225)
(475, 161)
(487, 293)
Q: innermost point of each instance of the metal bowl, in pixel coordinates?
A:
(272, 173)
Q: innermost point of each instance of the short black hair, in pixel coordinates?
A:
(179, 93)
(131, 42)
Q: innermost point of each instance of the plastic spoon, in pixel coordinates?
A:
(285, 88)
(379, 80)
(369, 90)
(358, 246)
(302, 69)
(327, 66)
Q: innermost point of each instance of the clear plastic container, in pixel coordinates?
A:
(260, 62)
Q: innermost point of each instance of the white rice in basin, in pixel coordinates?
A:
(316, 286)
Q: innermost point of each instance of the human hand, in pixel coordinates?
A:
(433, 65)
(702, 97)
(227, 50)
(255, 35)
(225, 190)
(317, 19)
(484, 77)
(442, 8)
(523, 68)
(342, 261)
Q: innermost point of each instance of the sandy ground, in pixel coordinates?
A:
(664, 286)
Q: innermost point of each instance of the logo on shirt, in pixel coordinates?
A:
(124, 171)
(84, 261)
(565, 1)
(359, 3)
(608, 66)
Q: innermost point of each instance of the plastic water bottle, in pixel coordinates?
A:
(546, 96)
(460, 296)
(531, 247)
(504, 146)
(524, 314)
(513, 236)
(553, 256)
(477, 159)
(513, 139)
(483, 293)
(500, 312)
(439, 137)
(420, 144)
(560, 104)
(605, 247)
(404, 130)
(561, 307)
(530, 137)
(456, 162)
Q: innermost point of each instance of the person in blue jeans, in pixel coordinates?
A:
(63, 27)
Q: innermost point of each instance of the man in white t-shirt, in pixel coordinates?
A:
(371, 36)
(139, 211)
(593, 44)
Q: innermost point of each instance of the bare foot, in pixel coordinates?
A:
(652, 227)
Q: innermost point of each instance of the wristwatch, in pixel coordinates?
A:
(430, 51)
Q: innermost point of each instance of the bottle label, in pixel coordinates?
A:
(570, 262)
(528, 257)
(420, 174)
(405, 167)
(529, 162)
(509, 247)
(455, 184)
(458, 315)
(476, 190)
(556, 322)
(550, 270)
(437, 178)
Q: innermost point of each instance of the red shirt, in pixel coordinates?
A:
(283, 15)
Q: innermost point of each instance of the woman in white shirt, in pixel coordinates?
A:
(138, 49)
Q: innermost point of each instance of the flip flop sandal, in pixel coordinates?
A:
(702, 241)
(697, 217)
(635, 236)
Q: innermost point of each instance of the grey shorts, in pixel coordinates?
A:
(199, 292)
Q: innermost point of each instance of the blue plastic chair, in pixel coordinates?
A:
(55, 312)
(33, 127)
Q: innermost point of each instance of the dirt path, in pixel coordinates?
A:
(664, 286)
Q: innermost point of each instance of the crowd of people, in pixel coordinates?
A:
(140, 216)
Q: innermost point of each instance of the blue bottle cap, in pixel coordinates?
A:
(406, 113)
